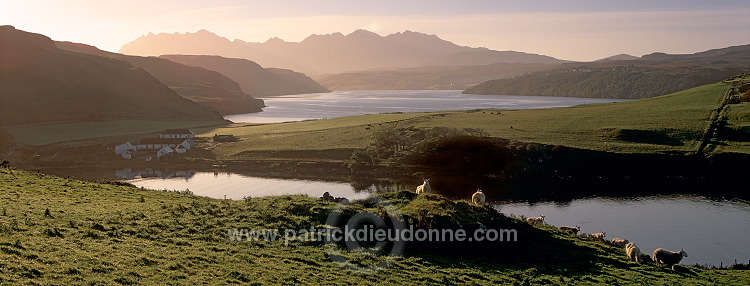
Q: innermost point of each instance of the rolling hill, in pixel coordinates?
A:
(426, 78)
(40, 83)
(253, 78)
(332, 53)
(206, 87)
(651, 75)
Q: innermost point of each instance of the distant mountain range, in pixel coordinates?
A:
(333, 53)
(206, 87)
(259, 81)
(40, 83)
(427, 78)
(651, 75)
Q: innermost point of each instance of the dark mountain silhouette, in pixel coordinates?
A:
(651, 75)
(206, 87)
(253, 78)
(40, 83)
(331, 53)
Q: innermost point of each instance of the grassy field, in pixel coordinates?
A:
(672, 123)
(61, 231)
(53, 133)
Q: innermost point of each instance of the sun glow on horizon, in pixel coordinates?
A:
(569, 35)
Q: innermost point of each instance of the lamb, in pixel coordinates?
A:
(424, 187)
(536, 220)
(573, 230)
(599, 235)
(633, 252)
(620, 242)
(478, 198)
(670, 258)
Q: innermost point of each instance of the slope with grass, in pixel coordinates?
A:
(205, 87)
(652, 75)
(40, 83)
(61, 231)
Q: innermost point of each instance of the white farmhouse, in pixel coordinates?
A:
(164, 151)
(177, 133)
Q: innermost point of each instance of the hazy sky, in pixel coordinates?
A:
(565, 29)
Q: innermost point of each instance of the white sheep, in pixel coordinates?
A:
(670, 258)
(620, 242)
(424, 187)
(536, 220)
(573, 230)
(599, 235)
(633, 252)
(478, 198)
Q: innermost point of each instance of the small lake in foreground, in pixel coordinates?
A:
(711, 231)
(348, 103)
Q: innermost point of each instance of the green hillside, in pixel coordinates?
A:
(649, 76)
(40, 83)
(205, 87)
(61, 231)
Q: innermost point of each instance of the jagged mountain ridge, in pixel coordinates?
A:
(331, 53)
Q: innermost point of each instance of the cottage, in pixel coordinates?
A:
(181, 149)
(188, 144)
(177, 133)
(164, 151)
(123, 148)
(130, 154)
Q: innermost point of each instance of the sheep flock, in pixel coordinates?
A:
(632, 252)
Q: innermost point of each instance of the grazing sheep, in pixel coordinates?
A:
(620, 242)
(424, 187)
(670, 258)
(327, 197)
(536, 220)
(633, 252)
(573, 230)
(478, 198)
(598, 235)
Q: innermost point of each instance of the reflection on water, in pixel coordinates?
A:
(710, 231)
(234, 186)
(131, 174)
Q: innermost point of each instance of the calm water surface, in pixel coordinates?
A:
(711, 231)
(347, 103)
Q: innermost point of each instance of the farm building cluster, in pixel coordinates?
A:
(170, 141)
